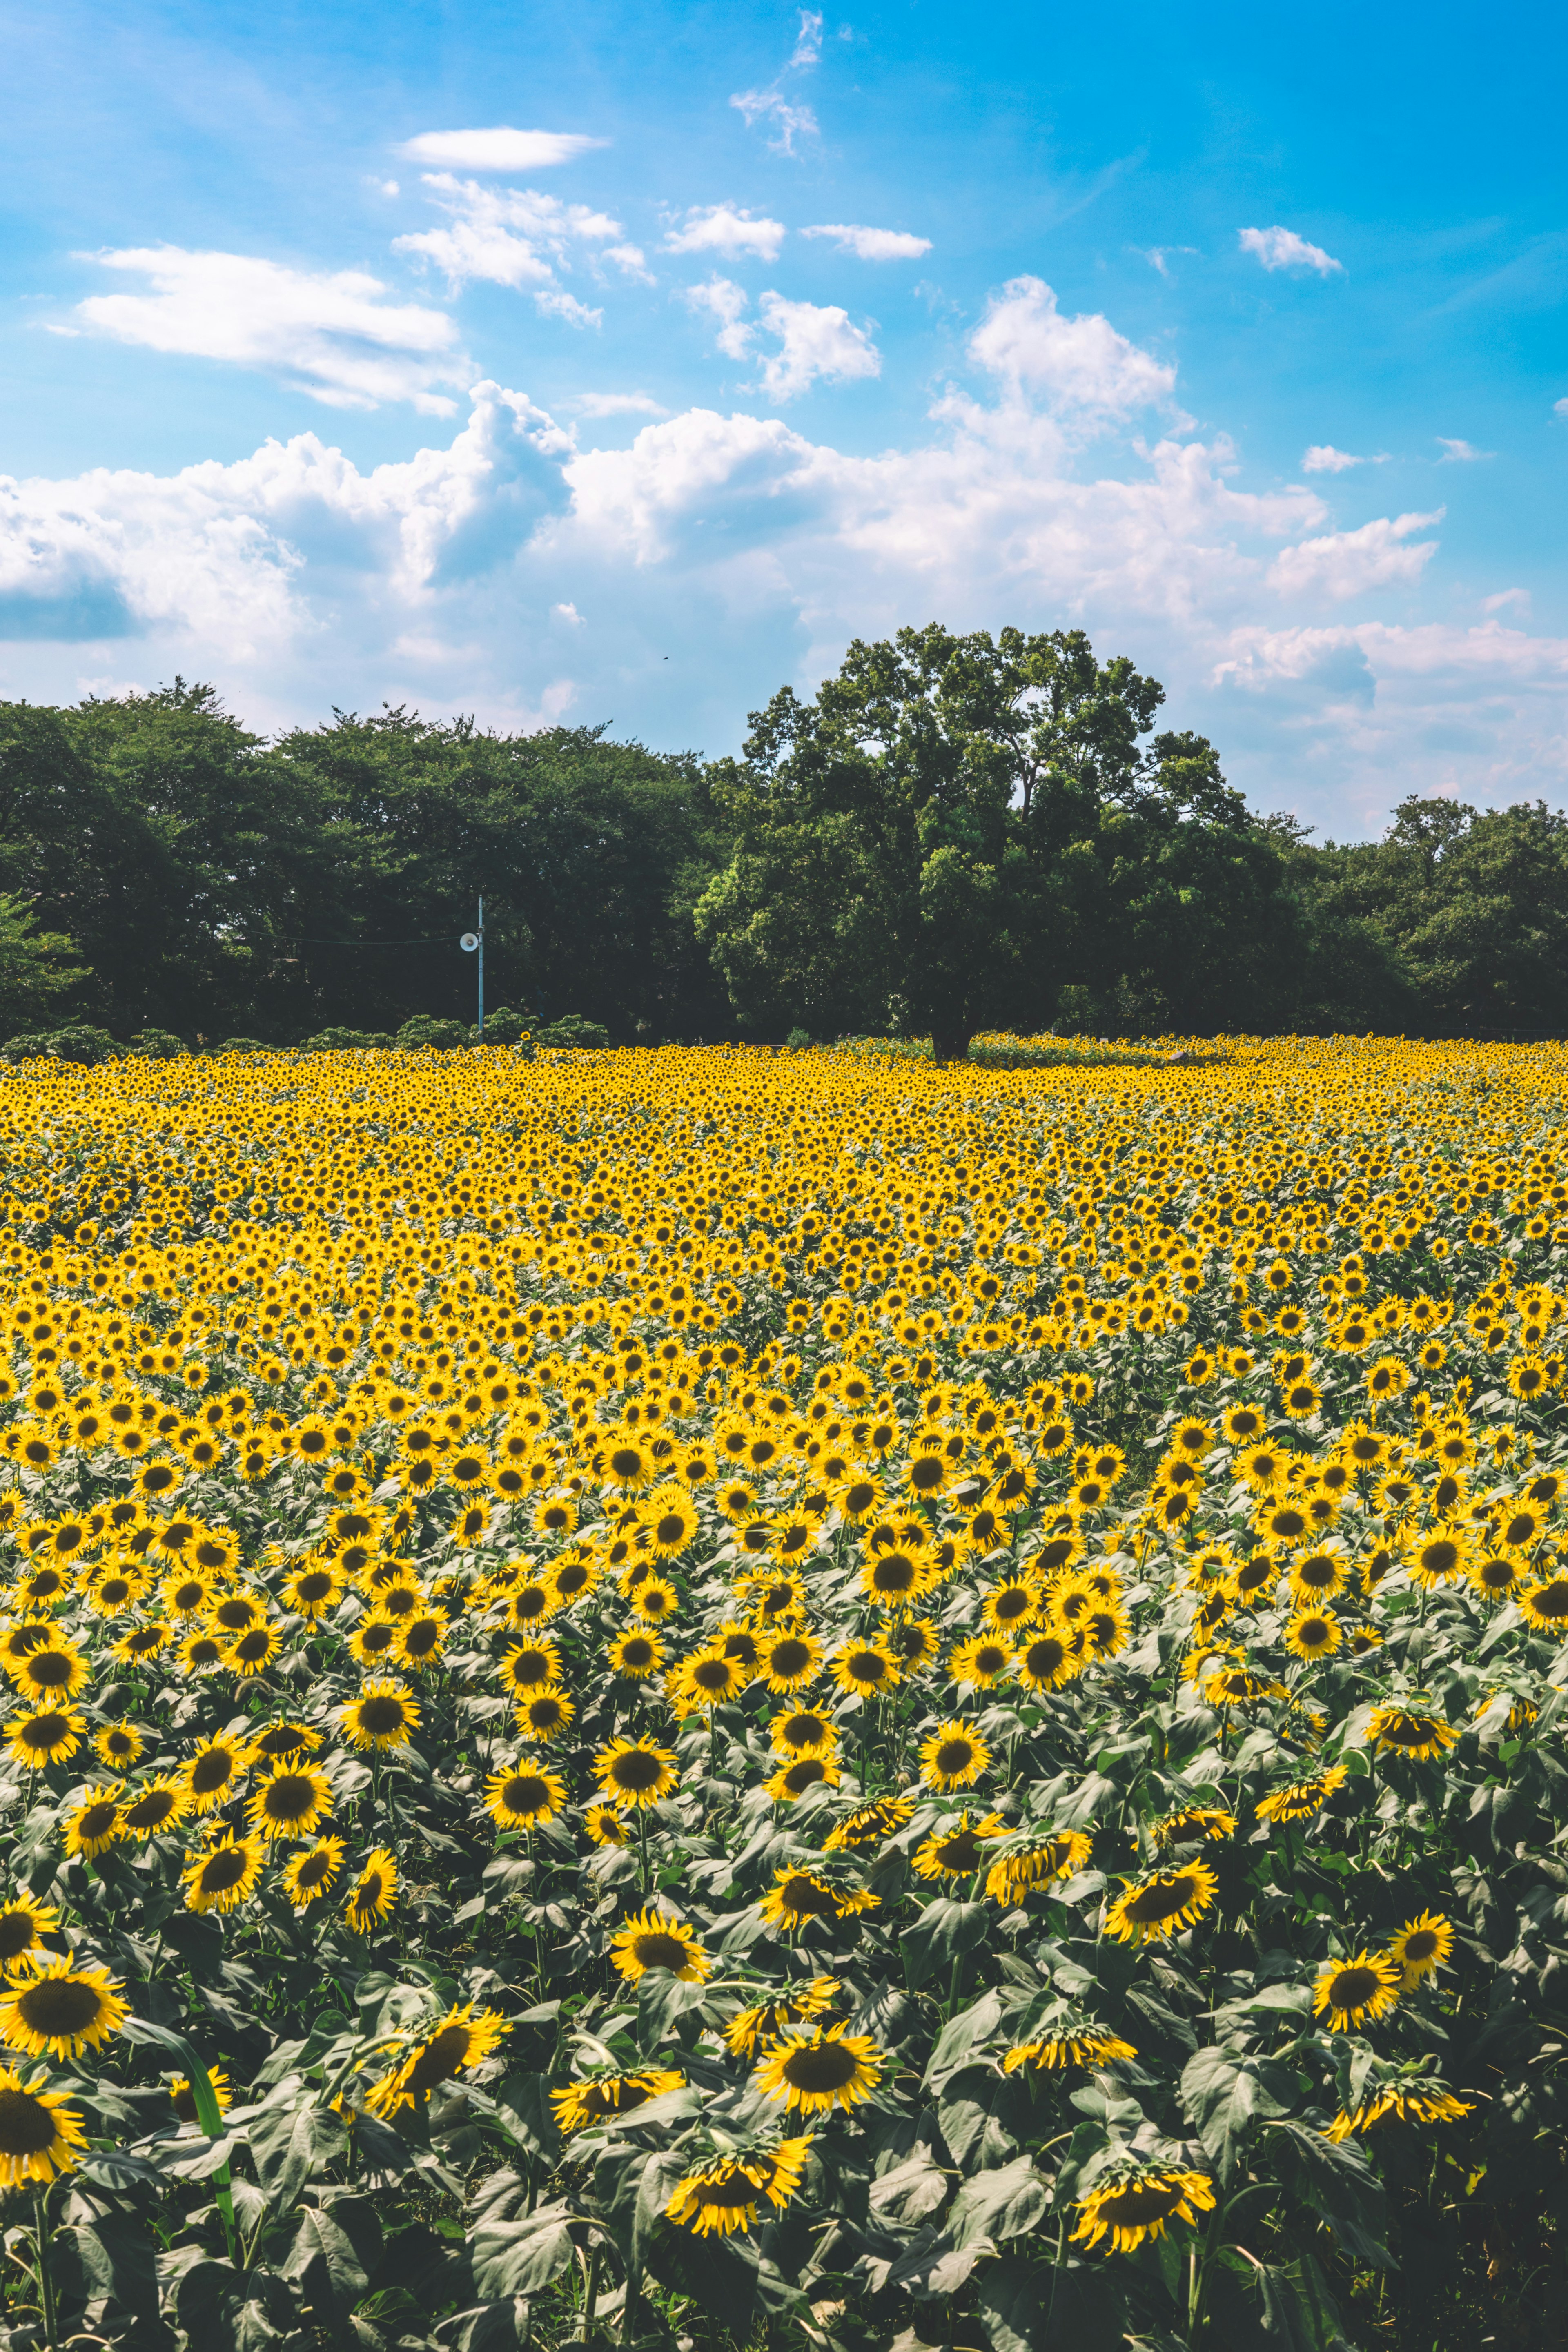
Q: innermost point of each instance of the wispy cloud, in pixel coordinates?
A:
(791, 119)
(1281, 248)
(618, 403)
(1322, 457)
(872, 243)
(498, 149)
(1460, 453)
(1155, 254)
(1346, 564)
(809, 40)
(510, 237)
(726, 303)
(330, 333)
(729, 229)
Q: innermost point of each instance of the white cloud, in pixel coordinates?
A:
(809, 40)
(1154, 255)
(1079, 364)
(1509, 600)
(1460, 453)
(383, 187)
(510, 237)
(873, 244)
(553, 302)
(1560, 408)
(728, 229)
(1281, 248)
(814, 341)
(500, 149)
(618, 403)
(331, 333)
(1324, 458)
(1349, 562)
(771, 106)
(569, 613)
(726, 302)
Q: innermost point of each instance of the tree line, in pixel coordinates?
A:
(956, 833)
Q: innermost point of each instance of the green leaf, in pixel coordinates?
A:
(910, 2193)
(324, 2260)
(512, 2258)
(942, 1933)
(999, 2204)
(288, 2143)
(1298, 2309)
(1334, 2179)
(106, 2264)
(972, 2029)
(1225, 2094)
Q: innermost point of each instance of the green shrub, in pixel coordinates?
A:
(157, 1046)
(245, 1045)
(346, 1041)
(426, 1029)
(77, 1043)
(573, 1032)
(798, 1041)
(505, 1027)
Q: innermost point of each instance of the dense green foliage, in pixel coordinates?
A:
(957, 832)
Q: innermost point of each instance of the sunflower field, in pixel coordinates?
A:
(710, 1699)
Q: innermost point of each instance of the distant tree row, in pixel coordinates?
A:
(956, 833)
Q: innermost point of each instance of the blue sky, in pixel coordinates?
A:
(623, 363)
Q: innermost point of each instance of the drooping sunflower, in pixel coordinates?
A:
(1081, 2044)
(1136, 2201)
(373, 1894)
(601, 2095)
(519, 1799)
(870, 1825)
(723, 2197)
(61, 2010)
(652, 1940)
(292, 1800)
(310, 1873)
(456, 2044)
(752, 2028)
(41, 2135)
(798, 1897)
(225, 1876)
(817, 2068)
(1407, 1731)
(182, 2099)
(1423, 2100)
(1161, 1903)
(1422, 1945)
(635, 1772)
(954, 1757)
(1301, 1801)
(24, 1924)
(282, 1741)
(385, 1714)
(958, 1851)
(1349, 1991)
(1214, 1822)
(1036, 1863)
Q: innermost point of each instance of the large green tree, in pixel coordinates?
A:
(958, 831)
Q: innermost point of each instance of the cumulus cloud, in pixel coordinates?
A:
(1324, 458)
(1461, 453)
(729, 229)
(1281, 248)
(510, 237)
(816, 340)
(554, 302)
(1070, 364)
(872, 243)
(1348, 563)
(726, 303)
(498, 150)
(331, 333)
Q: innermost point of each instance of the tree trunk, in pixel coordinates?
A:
(950, 1045)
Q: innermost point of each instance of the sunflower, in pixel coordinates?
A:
(797, 1897)
(1347, 1991)
(312, 1872)
(865, 1667)
(1156, 1906)
(61, 2010)
(531, 1666)
(635, 1772)
(1035, 1863)
(373, 1893)
(651, 1940)
(386, 1714)
(980, 1663)
(183, 2098)
(1046, 1661)
(40, 2134)
(1421, 1946)
(751, 2029)
(50, 1675)
(157, 1805)
(723, 2196)
(1410, 1732)
(1135, 2201)
(201, 1652)
(707, 1680)
(605, 1824)
(1424, 2101)
(787, 1662)
(1546, 1605)
(637, 1655)
(1301, 1801)
(24, 1924)
(46, 1734)
(282, 1740)
(870, 1825)
(290, 1801)
(1214, 1822)
(954, 1757)
(603, 2096)
(816, 2068)
(96, 1823)
(1080, 2045)
(253, 1652)
(1312, 1633)
(524, 1795)
(456, 2044)
(225, 1876)
(958, 1851)
(215, 1771)
(793, 1780)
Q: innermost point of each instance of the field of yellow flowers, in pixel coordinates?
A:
(722, 1698)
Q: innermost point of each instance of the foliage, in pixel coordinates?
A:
(574, 1032)
(957, 827)
(1020, 1609)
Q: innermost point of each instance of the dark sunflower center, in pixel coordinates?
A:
(368, 1894)
(1420, 1944)
(314, 1586)
(1140, 2202)
(826, 2067)
(867, 1666)
(290, 1797)
(18, 1935)
(60, 2006)
(214, 1770)
(50, 1669)
(525, 1792)
(313, 1870)
(654, 1949)
(803, 1897)
(810, 1769)
(253, 1646)
(1044, 1657)
(1551, 1600)
(959, 1852)
(790, 1657)
(441, 2058)
(283, 1740)
(637, 1769)
(149, 1810)
(96, 1821)
(954, 1756)
(381, 1716)
(45, 1731)
(224, 1869)
(1352, 1988)
(26, 2126)
(1162, 1901)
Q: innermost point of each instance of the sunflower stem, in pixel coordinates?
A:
(45, 2278)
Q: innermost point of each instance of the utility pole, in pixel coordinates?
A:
(473, 944)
